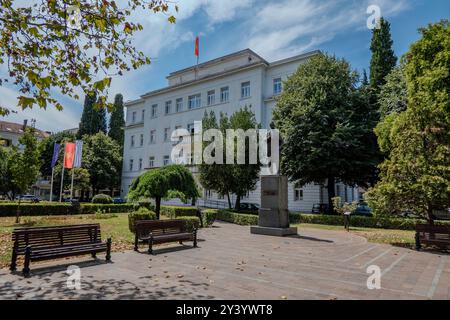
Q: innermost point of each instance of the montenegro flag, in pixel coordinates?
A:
(69, 155)
(197, 52)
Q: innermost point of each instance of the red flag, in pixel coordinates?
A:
(197, 46)
(69, 155)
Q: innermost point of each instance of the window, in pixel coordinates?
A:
(141, 140)
(168, 108)
(179, 104)
(190, 128)
(277, 86)
(245, 89)
(224, 94)
(132, 141)
(140, 164)
(154, 111)
(298, 194)
(131, 165)
(166, 134)
(211, 97)
(194, 101)
(151, 162)
(166, 160)
(152, 136)
(133, 117)
(143, 115)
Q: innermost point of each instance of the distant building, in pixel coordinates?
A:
(10, 134)
(225, 84)
(73, 131)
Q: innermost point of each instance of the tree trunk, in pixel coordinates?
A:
(237, 206)
(430, 214)
(229, 201)
(157, 207)
(18, 212)
(331, 194)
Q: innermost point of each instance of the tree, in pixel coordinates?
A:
(7, 156)
(383, 57)
(230, 178)
(326, 124)
(117, 122)
(393, 94)
(81, 178)
(161, 183)
(51, 45)
(103, 123)
(102, 158)
(25, 165)
(90, 123)
(416, 176)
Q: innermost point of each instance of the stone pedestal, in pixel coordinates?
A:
(274, 214)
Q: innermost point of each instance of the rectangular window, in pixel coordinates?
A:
(152, 136)
(133, 117)
(211, 97)
(179, 104)
(245, 89)
(140, 164)
(143, 115)
(194, 101)
(277, 86)
(168, 108)
(131, 165)
(298, 194)
(166, 160)
(132, 141)
(141, 140)
(154, 111)
(151, 162)
(224, 94)
(166, 134)
(190, 128)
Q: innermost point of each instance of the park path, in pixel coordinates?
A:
(231, 263)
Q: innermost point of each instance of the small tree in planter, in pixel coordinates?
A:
(163, 183)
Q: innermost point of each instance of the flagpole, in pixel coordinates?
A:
(51, 185)
(71, 185)
(62, 183)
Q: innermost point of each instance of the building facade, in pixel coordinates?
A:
(225, 84)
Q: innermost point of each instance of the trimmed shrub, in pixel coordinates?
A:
(140, 214)
(176, 212)
(190, 222)
(146, 204)
(102, 198)
(56, 208)
(237, 218)
(208, 217)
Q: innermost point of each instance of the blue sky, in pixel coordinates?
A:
(274, 29)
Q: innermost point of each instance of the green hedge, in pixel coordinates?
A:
(237, 218)
(208, 217)
(56, 208)
(191, 222)
(141, 214)
(102, 198)
(175, 212)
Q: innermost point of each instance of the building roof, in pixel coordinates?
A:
(17, 128)
(219, 74)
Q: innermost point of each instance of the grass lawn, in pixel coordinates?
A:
(404, 238)
(116, 226)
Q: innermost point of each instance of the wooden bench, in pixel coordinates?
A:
(162, 231)
(435, 235)
(45, 243)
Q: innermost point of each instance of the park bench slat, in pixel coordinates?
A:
(42, 243)
(162, 231)
(435, 235)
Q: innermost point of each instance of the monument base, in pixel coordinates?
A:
(276, 232)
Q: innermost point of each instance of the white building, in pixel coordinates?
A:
(225, 84)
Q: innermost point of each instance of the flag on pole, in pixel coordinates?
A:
(78, 153)
(69, 155)
(56, 147)
(197, 49)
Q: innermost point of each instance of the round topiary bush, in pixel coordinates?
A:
(102, 198)
(141, 214)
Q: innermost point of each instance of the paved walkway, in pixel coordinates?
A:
(230, 263)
